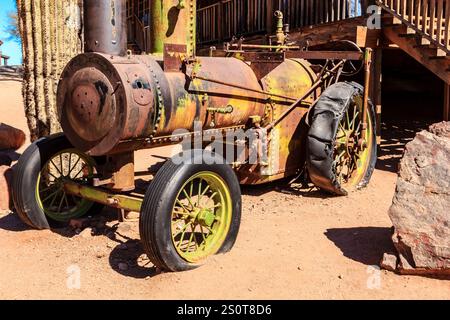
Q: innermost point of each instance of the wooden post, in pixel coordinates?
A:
(446, 102)
(377, 82)
(269, 16)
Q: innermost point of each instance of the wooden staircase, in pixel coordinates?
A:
(421, 29)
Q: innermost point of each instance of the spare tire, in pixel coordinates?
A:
(338, 159)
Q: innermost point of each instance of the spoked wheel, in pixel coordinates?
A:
(190, 212)
(67, 165)
(341, 156)
(352, 150)
(38, 188)
(201, 216)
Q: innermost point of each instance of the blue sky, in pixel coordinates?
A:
(9, 48)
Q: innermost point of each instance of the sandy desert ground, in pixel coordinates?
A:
(293, 244)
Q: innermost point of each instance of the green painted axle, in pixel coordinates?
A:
(110, 199)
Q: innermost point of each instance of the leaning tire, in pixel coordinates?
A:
(32, 197)
(338, 159)
(190, 212)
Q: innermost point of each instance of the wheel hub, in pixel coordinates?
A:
(205, 217)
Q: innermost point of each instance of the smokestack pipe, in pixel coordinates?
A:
(105, 28)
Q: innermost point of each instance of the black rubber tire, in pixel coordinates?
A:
(26, 174)
(156, 212)
(324, 122)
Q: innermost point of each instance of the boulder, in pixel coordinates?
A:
(420, 210)
(11, 138)
(5, 188)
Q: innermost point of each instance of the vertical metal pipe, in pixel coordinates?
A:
(105, 29)
(174, 22)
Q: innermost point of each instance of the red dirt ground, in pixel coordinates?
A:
(293, 244)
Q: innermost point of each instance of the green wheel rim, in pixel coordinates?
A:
(66, 165)
(351, 153)
(201, 216)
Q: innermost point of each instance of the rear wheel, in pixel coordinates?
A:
(38, 188)
(341, 156)
(190, 212)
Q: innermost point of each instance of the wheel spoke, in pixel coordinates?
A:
(50, 196)
(67, 201)
(188, 198)
(203, 234)
(182, 205)
(191, 237)
(74, 166)
(57, 169)
(183, 233)
(81, 170)
(70, 164)
(61, 202)
(61, 164)
(206, 190)
(199, 191)
(352, 127)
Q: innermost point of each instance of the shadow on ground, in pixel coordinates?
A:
(395, 136)
(130, 260)
(11, 222)
(365, 245)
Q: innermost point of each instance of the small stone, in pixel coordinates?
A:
(340, 277)
(123, 266)
(123, 228)
(86, 233)
(76, 224)
(100, 255)
(389, 262)
(110, 245)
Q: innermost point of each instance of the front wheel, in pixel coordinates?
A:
(190, 212)
(38, 187)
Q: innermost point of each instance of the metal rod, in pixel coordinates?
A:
(263, 46)
(243, 88)
(306, 95)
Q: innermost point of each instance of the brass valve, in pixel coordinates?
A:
(280, 33)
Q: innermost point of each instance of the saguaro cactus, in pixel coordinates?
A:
(51, 35)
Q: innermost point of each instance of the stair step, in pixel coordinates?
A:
(390, 20)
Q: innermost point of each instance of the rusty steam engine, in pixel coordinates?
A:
(112, 103)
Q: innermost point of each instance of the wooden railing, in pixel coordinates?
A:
(138, 33)
(429, 18)
(302, 13)
(227, 18)
(231, 18)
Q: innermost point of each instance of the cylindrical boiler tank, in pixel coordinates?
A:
(106, 100)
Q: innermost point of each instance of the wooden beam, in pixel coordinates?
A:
(439, 67)
(351, 29)
(446, 102)
(377, 84)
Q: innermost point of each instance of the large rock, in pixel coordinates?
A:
(421, 207)
(11, 138)
(5, 188)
